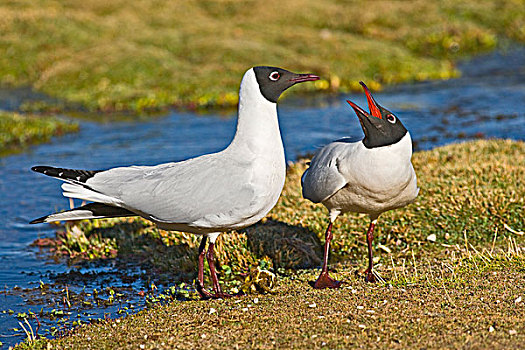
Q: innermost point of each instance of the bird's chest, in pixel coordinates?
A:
(269, 174)
(376, 185)
(265, 186)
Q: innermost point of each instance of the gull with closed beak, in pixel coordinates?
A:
(206, 195)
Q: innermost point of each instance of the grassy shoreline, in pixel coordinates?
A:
(122, 56)
(434, 314)
(453, 262)
(19, 131)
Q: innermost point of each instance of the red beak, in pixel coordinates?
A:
(356, 108)
(299, 78)
(374, 110)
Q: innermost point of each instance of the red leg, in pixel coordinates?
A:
(369, 238)
(324, 280)
(216, 286)
(200, 284)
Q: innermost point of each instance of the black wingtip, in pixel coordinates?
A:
(39, 220)
(41, 168)
(65, 174)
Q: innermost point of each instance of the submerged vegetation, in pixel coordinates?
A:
(123, 55)
(17, 131)
(451, 268)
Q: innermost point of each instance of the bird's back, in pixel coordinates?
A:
(214, 191)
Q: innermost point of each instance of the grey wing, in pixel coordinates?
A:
(323, 178)
(182, 192)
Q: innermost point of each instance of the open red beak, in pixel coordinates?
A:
(358, 110)
(372, 105)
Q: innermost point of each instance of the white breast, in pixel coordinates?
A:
(377, 179)
(258, 145)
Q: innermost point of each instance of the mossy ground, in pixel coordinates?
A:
(479, 312)
(452, 266)
(122, 55)
(17, 131)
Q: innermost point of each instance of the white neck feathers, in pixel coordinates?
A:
(257, 124)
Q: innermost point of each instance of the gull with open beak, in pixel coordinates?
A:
(370, 176)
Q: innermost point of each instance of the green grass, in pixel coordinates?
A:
(483, 311)
(466, 288)
(18, 131)
(122, 55)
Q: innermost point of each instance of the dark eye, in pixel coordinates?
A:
(274, 76)
(391, 118)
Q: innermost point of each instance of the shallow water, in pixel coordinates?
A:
(488, 101)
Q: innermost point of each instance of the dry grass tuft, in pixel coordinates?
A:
(286, 245)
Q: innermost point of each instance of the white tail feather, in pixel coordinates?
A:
(72, 215)
(81, 192)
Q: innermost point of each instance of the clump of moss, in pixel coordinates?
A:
(136, 240)
(18, 131)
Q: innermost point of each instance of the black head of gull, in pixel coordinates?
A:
(273, 81)
(381, 127)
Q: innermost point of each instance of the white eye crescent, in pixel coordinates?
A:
(391, 118)
(274, 76)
